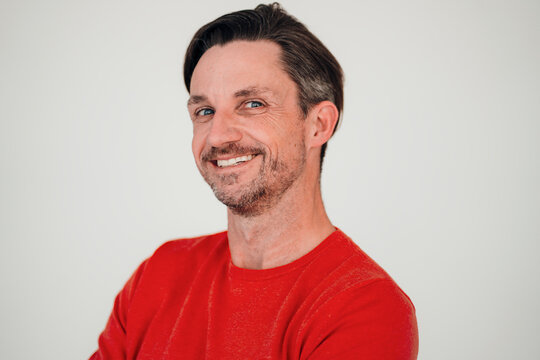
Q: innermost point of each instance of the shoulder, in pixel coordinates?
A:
(350, 266)
(174, 262)
(342, 277)
(200, 245)
(358, 274)
(192, 244)
(361, 308)
(185, 254)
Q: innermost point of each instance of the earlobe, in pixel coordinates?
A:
(324, 119)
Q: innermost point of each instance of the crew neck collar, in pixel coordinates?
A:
(236, 272)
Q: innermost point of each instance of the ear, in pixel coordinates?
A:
(323, 118)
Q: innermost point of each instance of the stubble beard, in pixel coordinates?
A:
(273, 180)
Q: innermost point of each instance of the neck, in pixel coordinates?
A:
(290, 229)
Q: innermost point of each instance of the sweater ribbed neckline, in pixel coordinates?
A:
(237, 273)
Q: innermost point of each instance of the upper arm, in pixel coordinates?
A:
(112, 341)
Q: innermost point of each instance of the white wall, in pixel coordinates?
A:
(434, 171)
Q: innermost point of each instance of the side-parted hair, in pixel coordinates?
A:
(308, 62)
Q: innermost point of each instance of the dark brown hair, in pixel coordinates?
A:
(308, 62)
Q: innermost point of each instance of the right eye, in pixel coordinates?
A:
(204, 112)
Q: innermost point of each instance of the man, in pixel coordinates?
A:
(282, 282)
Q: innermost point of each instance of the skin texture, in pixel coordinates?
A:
(243, 103)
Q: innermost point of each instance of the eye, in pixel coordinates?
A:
(253, 104)
(204, 112)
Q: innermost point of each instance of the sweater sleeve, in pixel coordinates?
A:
(112, 341)
(369, 321)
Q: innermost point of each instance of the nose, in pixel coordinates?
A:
(224, 129)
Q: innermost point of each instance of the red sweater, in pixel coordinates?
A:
(188, 301)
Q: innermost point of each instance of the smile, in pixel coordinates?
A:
(233, 161)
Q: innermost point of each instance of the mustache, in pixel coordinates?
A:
(230, 149)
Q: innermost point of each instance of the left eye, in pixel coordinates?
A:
(253, 104)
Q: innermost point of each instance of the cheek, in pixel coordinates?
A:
(197, 144)
(279, 126)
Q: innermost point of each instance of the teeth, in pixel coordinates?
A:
(234, 161)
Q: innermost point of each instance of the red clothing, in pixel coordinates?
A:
(188, 301)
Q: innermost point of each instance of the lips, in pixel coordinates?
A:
(230, 155)
(233, 161)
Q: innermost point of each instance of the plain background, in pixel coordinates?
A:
(434, 171)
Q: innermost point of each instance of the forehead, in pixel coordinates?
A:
(237, 65)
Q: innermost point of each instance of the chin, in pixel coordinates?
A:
(252, 201)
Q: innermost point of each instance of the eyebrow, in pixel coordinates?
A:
(249, 91)
(196, 99)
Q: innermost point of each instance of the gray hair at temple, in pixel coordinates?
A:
(308, 62)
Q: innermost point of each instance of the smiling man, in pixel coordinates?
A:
(248, 138)
(282, 282)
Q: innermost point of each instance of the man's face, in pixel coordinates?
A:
(248, 131)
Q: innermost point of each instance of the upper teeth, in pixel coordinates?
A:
(234, 161)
